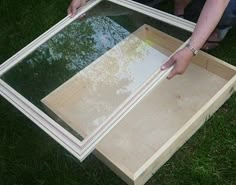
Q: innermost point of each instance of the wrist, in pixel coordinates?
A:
(192, 49)
(187, 53)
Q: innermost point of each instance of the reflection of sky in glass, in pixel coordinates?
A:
(148, 61)
(90, 97)
(108, 32)
(81, 43)
(64, 55)
(77, 48)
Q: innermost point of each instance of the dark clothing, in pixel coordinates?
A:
(144, 1)
(194, 9)
(228, 19)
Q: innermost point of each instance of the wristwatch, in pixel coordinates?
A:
(194, 51)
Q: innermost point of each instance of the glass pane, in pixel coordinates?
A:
(85, 72)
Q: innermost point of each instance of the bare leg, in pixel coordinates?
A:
(180, 5)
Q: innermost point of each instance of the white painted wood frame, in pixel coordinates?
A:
(81, 149)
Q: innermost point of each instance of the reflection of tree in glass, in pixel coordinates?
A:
(81, 43)
(64, 55)
(92, 95)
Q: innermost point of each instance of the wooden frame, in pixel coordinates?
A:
(79, 149)
(51, 100)
(121, 147)
(113, 156)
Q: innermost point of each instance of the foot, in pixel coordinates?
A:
(180, 5)
(215, 38)
(212, 42)
(179, 11)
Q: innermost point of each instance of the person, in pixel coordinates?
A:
(227, 21)
(74, 5)
(212, 13)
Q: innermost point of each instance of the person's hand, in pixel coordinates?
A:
(181, 59)
(74, 5)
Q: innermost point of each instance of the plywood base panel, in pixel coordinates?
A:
(163, 120)
(158, 117)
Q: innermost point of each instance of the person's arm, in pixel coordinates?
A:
(74, 5)
(207, 22)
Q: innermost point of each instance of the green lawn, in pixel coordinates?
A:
(29, 157)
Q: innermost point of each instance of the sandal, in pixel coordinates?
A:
(212, 44)
(181, 16)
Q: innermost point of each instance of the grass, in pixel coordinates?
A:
(29, 157)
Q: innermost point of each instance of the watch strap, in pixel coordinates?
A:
(194, 51)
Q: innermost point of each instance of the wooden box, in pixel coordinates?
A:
(163, 120)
